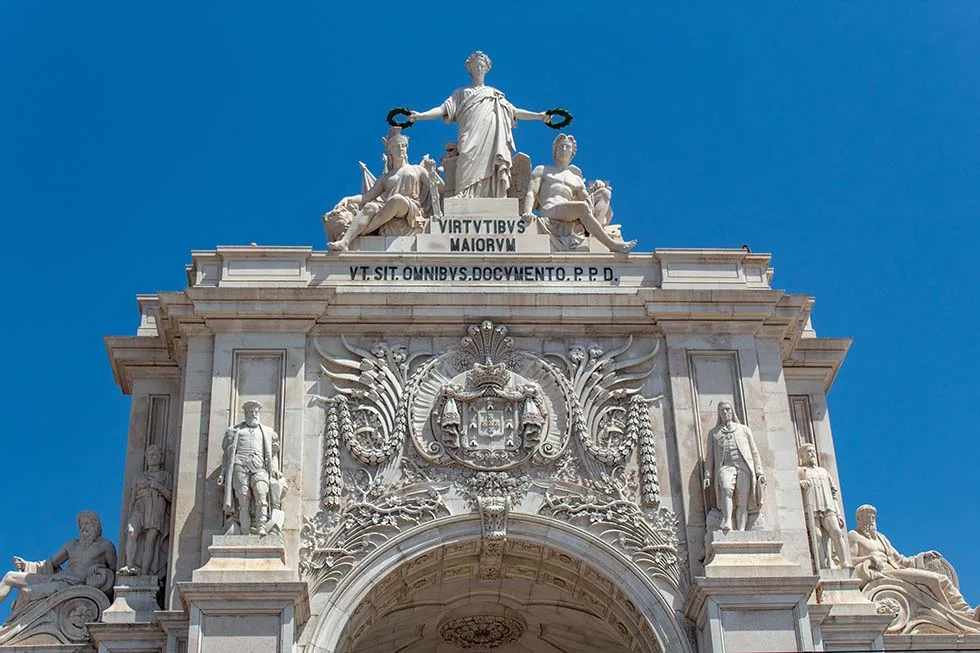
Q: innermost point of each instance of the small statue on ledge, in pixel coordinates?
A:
(147, 516)
(407, 191)
(824, 515)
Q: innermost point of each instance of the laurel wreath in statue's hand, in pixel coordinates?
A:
(565, 116)
(399, 111)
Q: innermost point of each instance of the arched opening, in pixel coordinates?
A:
(557, 590)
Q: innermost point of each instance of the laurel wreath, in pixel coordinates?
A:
(399, 111)
(565, 115)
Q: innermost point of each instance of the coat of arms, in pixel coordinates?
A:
(487, 406)
(490, 417)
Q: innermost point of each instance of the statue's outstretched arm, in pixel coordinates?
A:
(524, 114)
(431, 114)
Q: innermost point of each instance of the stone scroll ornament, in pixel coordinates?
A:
(488, 423)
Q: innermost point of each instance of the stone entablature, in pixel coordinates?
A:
(301, 267)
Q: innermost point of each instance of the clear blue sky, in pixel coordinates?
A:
(843, 137)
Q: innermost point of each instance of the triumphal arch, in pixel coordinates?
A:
(479, 420)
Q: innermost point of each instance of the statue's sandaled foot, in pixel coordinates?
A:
(129, 570)
(261, 532)
(624, 247)
(725, 526)
(338, 246)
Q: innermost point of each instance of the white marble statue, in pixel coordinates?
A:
(560, 194)
(733, 472)
(147, 516)
(875, 558)
(824, 514)
(405, 190)
(248, 466)
(91, 560)
(485, 143)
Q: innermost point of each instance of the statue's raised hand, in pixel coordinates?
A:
(429, 164)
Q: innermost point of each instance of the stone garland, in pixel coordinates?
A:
(332, 477)
(639, 421)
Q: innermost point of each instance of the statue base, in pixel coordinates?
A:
(128, 638)
(245, 558)
(751, 598)
(244, 590)
(135, 602)
(847, 619)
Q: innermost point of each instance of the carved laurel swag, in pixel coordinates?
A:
(650, 537)
(332, 543)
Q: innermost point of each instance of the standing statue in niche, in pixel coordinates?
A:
(248, 466)
(733, 470)
(147, 516)
(560, 193)
(824, 514)
(91, 560)
(874, 558)
(405, 190)
(485, 142)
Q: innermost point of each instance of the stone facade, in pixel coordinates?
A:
(485, 428)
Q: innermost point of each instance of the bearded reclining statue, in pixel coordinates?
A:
(54, 603)
(921, 591)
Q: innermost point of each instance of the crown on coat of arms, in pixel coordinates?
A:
(489, 375)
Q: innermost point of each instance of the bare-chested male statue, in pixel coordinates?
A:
(559, 191)
(874, 557)
(91, 560)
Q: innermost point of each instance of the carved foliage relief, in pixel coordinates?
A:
(486, 427)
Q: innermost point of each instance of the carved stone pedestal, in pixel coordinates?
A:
(129, 624)
(843, 618)
(244, 598)
(750, 598)
(135, 602)
(127, 637)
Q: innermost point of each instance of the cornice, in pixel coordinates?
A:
(816, 358)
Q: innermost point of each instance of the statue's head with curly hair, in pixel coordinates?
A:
(564, 143)
(480, 59)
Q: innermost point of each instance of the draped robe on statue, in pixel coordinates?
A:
(485, 140)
